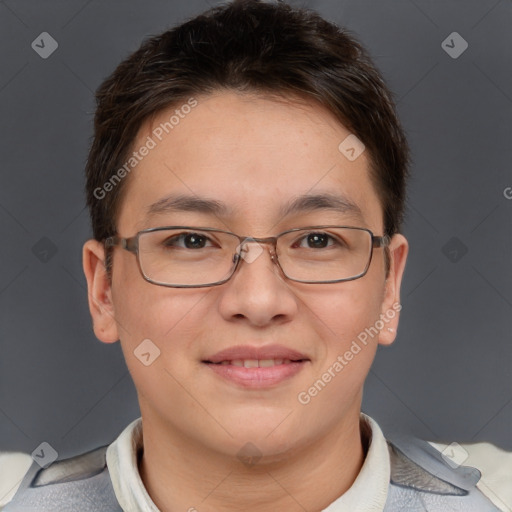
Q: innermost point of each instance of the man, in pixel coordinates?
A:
(246, 186)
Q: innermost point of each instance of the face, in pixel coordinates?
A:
(254, 155)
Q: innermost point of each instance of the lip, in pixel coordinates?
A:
(251, 352)
(258, 377)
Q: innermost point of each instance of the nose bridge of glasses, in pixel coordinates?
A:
(250, 255)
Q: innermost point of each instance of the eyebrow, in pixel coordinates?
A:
(322, 201)
(301, 204)
(186, 203)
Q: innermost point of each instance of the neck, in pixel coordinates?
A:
(181, 475)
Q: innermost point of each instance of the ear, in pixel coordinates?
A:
(390, 312)
(99, 292)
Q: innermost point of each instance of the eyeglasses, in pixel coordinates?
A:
(191, 257)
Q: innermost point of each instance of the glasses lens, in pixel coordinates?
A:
(325, 254)
(186, 256)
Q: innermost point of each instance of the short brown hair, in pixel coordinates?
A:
(247, 46)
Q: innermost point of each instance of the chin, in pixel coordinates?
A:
(260, 449)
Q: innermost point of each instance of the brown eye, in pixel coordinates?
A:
(316, 240)
(190, 241)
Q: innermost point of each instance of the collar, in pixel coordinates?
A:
(368, 493)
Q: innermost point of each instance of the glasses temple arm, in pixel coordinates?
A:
(380, 241)
(130, 244)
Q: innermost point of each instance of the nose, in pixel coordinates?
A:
(258, 291)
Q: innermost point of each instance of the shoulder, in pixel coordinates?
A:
(436, 476)
(80, 483)
(493, 463)
(13, 467)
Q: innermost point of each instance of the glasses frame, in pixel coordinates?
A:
(131, 244)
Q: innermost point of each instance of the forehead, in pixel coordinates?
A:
(244, 157)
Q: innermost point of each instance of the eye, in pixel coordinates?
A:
(190, 240)
(317, 240)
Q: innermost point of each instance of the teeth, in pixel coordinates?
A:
(255, 363)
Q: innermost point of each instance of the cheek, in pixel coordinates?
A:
(144, 310)
(355, 346)
(158, 331)
(344, 311)
(349, 329)
(171, 319)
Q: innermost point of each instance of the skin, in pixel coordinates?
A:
(253, 153)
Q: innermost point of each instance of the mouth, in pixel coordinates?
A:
(257, 367)
(256, 363)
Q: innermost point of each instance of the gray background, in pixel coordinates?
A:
(447, 377)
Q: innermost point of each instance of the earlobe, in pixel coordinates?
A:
(99, 292)
(391, 307)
